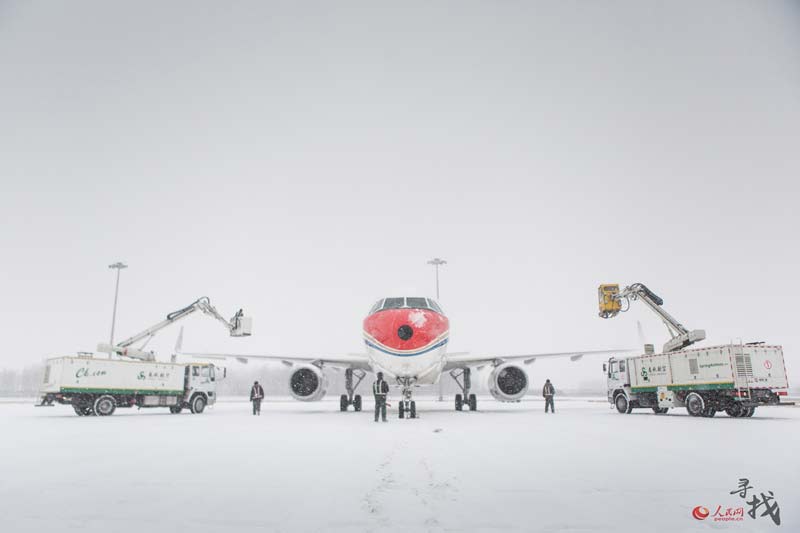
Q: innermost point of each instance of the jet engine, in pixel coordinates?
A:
(307, 383)
(508, 383)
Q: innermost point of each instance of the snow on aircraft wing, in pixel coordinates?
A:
(465, 359)
(341, 361)
(353, 360)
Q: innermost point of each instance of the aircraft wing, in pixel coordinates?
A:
(341, 361)
(355, 360)
(466, 359)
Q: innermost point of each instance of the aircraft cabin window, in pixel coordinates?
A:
(376, 307)
(417, 303)
(393, 303)
(434, 306)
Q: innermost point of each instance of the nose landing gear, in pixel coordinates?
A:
(407, 406)
(470, 400)
(350, 398)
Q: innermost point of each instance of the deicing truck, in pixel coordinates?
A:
(735, 378)
(97, 386)
(94, 386)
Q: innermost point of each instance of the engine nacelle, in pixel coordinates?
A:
(508, 383)
(307, 383)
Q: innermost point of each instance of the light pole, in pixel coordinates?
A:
(118, 266)
(436, 262)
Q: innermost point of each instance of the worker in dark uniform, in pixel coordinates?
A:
(379, 390)
(548, 392)
(256, 395)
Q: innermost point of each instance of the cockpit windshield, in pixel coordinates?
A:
(410, 302)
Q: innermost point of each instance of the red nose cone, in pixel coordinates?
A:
(406, 329)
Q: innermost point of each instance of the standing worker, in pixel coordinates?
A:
(379, 390)
(548, 392)
(256, 395)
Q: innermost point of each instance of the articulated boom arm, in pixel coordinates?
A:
(238, 326)
(611, 298)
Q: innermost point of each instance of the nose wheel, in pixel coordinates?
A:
(346, 400)
(462, 378)
(407, 407)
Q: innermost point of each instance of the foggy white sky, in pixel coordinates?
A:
(301, 161)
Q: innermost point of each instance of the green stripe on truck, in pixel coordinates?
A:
(121, 391)
(688, 386)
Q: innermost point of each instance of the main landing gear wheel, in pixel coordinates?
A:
(198, 404)
(400, 412)
(357, 402)
(464, 383)
(660, 410)
(105, 406)
(343, 402)
(473, 402)
(622, 404)
(695, 405)
(413, 410)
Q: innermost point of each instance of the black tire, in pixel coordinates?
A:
(660, 410)
(105, 405)
(750, 412)
(459, 402)
(734, 410)
(175, 409)
(709, 412)
(357, 402)
(413, 410)
(695, 404)
(198, 404)
(83, 408)
(473, 402)
(622, 404)
(343, 402)
(400, 412)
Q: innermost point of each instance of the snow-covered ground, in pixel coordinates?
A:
(307, 467)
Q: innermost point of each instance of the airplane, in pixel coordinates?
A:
(406, 338)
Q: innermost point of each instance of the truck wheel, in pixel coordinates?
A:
(734, 411)
(105, 406)
(709, 412)
(175, 409)
(343, 402)
(78, 410)
(750, 411)
(473, 402)
(198, 404)
(357, 402)
(459, 402)
(660, 410)
(623, 405)
(695, 405)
